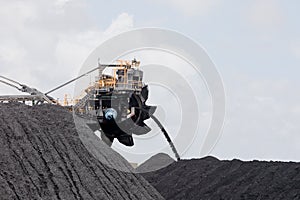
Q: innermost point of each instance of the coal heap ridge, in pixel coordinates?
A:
(154, 163)
(42, 157)
(210, 178)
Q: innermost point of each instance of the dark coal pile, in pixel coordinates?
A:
(156, 162)
(42, 157)
(209, 178)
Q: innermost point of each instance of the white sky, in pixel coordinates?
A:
(254, 43)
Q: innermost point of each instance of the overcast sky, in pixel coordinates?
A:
(255, 45)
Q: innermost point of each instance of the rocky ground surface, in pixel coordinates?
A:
(43, 157)
(210, 178)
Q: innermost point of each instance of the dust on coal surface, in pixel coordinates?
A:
(210, 178)
(42, 157)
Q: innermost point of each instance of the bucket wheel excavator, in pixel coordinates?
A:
(116, 103)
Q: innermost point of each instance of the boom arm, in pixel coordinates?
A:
(11, 83)
(100, 67)
(25, 88)
(72, 80)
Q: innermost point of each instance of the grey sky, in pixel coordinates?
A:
(255, 45)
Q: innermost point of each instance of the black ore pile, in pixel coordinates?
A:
(154, 163)
(42, 157)
(209, 178)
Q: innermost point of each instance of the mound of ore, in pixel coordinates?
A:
(209, 178)
(44, 157)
